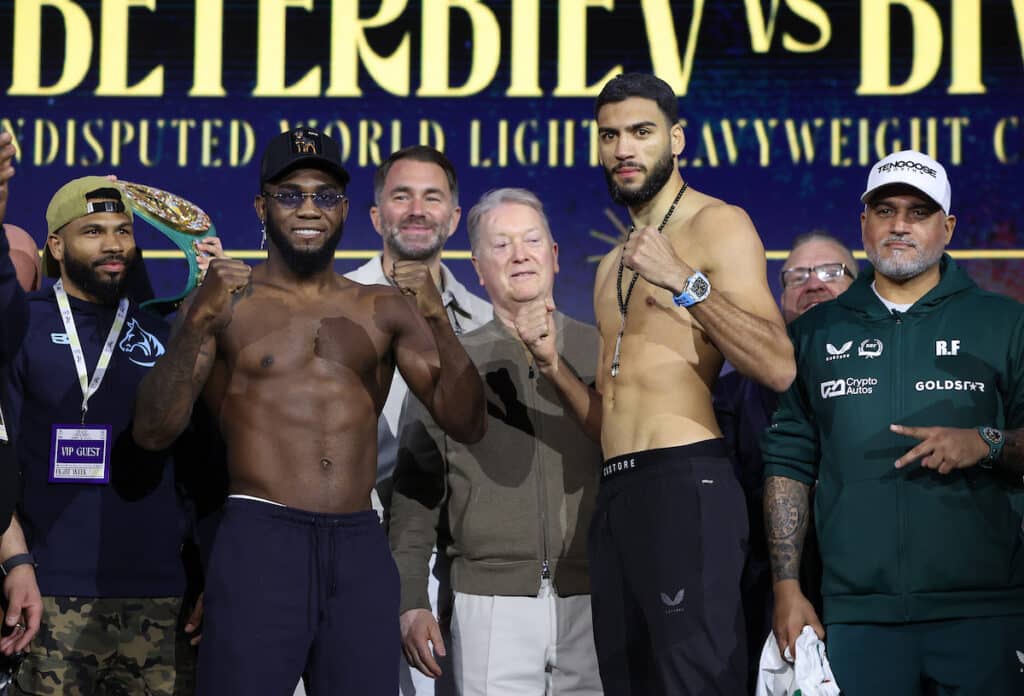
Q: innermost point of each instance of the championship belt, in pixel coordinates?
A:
(181, 221)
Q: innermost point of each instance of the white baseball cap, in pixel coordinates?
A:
(915, 169)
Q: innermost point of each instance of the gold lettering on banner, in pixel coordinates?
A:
(593, 151)
(431, 133)
(272, 55)
(241, 143)
(813, 14)
(209, 141)
(70, 141)
(121, 133)
(350, 49)
(184, 125)
(572, 49)
(930, 141)
(661, 37)
(46, 133)
(524, 143)
(966, 48)
(27, 48)
(553, 138)
(92, 140)
(762, 30)
(732, 152)
(763, 131)
(467, 62)
(370, 132)
(114, 34)
(485, 53)
(801, 138)
(524, 51)
(145, 157)
(570, 143)
(839, 141)
(1018, 15)
(999, 139)
(956, 126)
(208, 61)
(876, 48)
(927, 39)
(340, 131)
(475, 160)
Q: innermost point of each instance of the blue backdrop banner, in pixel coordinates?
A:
(785, 104)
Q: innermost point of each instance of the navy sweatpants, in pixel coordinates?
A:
(667, 546)
(293, 594)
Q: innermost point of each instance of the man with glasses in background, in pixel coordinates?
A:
(818, 269)
(295, 361)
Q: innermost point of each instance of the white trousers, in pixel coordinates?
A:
(511, 646)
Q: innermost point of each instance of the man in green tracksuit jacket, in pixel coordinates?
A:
(906, 411)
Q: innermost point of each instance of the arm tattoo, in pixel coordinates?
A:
(163, 403)
(786, 508)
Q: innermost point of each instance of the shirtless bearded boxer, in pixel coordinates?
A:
(688, 289)
(295, 362)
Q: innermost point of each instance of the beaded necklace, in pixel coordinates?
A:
(624, 301)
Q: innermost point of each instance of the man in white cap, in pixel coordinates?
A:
(907, 410)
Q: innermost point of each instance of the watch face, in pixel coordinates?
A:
(700, 287)
(993, 435)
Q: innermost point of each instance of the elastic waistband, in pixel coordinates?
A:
(626, 463)
(260, 508)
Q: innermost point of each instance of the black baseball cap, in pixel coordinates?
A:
(302, 147)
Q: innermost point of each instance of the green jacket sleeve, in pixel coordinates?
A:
(419, 492)
(790, 446)
(1014, 404)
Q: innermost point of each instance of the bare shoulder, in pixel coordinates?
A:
(383, 305)
(374, 296)
(722, 235)
(723, 222)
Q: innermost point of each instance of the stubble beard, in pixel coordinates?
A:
(401, 251)
(657, 177)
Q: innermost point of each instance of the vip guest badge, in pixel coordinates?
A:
(80, 454)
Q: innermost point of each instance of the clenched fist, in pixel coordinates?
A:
(650, 253)
(413, 279)
(213, 305)
(535, 324)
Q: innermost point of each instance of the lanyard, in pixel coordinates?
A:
(88, 387)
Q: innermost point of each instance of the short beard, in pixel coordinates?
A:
(404, 253)
(90, 281)
(656, 180)
(899, 269)
(304, 262)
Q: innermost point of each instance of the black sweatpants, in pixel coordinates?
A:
(667, 546)
(294, 594)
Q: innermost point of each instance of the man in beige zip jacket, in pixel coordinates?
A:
(518, 502)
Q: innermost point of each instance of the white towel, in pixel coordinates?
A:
(808, 675)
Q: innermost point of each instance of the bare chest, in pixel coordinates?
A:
(274, 339)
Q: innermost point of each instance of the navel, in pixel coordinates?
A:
(326, 464)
